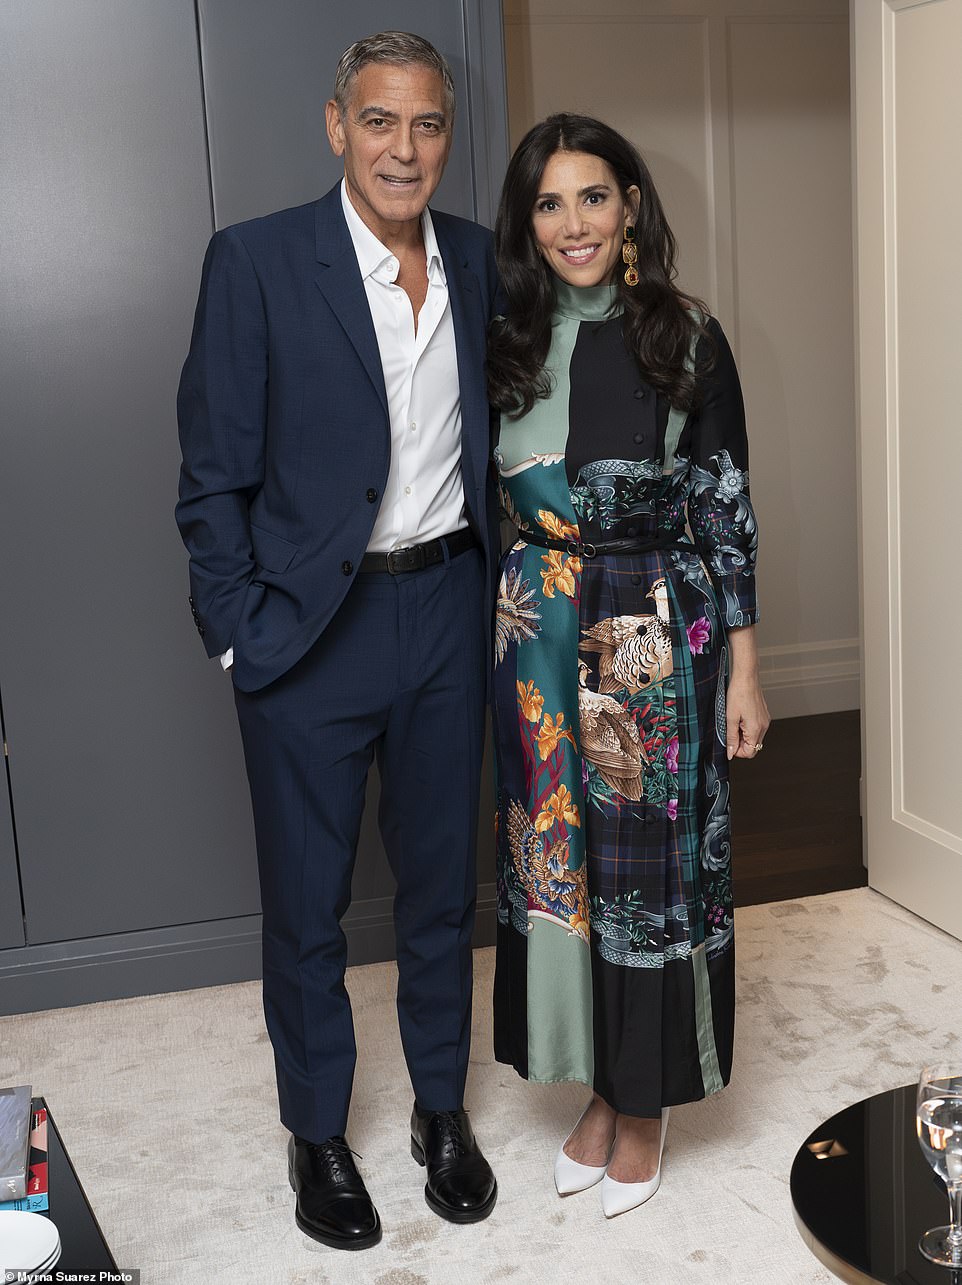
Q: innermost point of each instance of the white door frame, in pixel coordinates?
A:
(912, 706)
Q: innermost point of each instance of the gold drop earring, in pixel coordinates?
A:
(629, 252)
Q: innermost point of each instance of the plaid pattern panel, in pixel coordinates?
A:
(644, 875)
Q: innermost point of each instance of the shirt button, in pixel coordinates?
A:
(414, 427)
(640, 393)
(639, 438)
(636, 579)
(407, 490)
(371, 495)
(347, 567)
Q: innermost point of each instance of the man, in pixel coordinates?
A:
(336, 504)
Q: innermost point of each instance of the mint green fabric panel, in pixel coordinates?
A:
(560, 1042)
(544, 430)
(676, 422)
(678, 418)
(704, 1026)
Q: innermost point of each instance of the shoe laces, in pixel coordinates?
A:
(336, 1154)
(449, 1124)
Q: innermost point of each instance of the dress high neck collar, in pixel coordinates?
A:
(586, 303)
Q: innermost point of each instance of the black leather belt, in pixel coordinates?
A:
(586, 549)
(419, 556)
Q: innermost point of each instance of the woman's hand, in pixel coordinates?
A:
(747, 714)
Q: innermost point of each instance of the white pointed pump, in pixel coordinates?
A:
(570, 1175)
(619, 1197)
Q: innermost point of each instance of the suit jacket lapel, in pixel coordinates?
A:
(339, 281)
(470, 338)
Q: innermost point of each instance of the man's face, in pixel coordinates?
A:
(395, 138)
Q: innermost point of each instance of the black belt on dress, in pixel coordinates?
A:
(418, 556)
(587, 549)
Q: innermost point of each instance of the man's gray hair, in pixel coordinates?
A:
(400, 48)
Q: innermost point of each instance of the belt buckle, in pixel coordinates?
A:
(407, 559)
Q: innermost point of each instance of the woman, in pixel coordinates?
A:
(621, 413)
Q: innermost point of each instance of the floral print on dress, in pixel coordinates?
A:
(540, 877)
(516, 618)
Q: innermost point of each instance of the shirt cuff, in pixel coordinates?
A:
(228, 658)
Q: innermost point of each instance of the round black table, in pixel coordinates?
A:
(863, 1194)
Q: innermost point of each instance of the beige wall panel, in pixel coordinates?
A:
(793, 288)
(645, 77)
(928, 257)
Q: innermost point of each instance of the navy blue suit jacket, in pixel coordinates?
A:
(285, 432)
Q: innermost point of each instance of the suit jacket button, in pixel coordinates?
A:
(371, 495)
(347, 567)
(639, 438)
(640, 393)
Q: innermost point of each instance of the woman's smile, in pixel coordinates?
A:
(579, 218)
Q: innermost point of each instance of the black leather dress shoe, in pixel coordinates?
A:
(460, 1185)
(332, 1202)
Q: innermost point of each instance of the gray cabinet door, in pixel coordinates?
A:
(127, 777)
(269, 70)
(128, 783)
(11, 910)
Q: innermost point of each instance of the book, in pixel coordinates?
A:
(15, 1119)
(37, 1199)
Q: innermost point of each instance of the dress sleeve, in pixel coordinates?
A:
(720, 511)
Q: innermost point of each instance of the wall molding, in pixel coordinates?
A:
(183, 957)
(811, 678)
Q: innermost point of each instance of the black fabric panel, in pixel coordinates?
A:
(611, 405)
(640, 1068)
(611, 411)
(511, 1000)
(719, 418)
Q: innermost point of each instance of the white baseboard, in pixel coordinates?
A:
(811, 678)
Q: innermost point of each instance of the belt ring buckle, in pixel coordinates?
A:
(589, 551)
(574, 549)
(401, 560)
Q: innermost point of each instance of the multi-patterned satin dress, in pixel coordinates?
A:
(615, 961)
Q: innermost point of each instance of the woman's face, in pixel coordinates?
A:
(579, 218)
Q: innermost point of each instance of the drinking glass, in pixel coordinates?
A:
(939, 1122)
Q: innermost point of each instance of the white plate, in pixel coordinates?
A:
(28, 1242)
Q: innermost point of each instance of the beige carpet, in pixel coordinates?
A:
(167, 1106)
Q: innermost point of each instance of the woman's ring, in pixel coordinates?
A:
(759, 747)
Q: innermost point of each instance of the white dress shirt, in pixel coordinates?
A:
(424, 495)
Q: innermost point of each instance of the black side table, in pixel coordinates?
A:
(84, 1249)
(863, 1194)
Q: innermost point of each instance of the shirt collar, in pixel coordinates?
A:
(376, 260)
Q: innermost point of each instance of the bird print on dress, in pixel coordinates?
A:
(635, 651)
(550, 885)
(610, 740)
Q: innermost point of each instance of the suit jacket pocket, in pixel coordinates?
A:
(272, 552)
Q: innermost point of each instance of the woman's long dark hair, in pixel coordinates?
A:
(659, 325)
